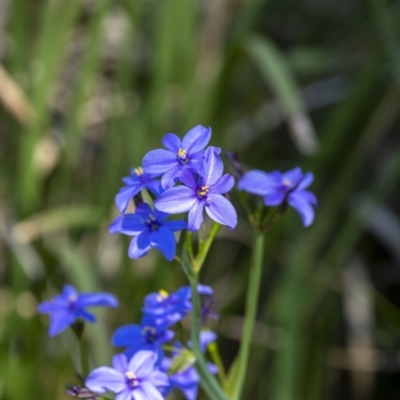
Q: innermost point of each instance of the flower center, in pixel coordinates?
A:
(162, 295)
(131, 378)
(202, 192)
(150, 334)
(182, 156)
(287, 183)
(139, 171)
(152, 223)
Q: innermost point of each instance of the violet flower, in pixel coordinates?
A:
(67, 307)
(137, 379)
(133, 185)
(179, 156)
(201, 193)
(149, 229)
(280, 187)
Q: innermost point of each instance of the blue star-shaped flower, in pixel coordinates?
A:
(133, 185)
(202, 193)
(279, 187)
(179, 156)
(68, 306)
(149, 229)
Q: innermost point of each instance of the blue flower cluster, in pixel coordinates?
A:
(192, 181)
(143, 371)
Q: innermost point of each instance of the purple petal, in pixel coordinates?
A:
(306, 181)
(154, 187)
(213, 166)
(176, 200)
(207, 337)
(195, 216)
(204, 290)
(105, 378)
(97, 299)
(142, 363)
(59, 321)
(197, 163)
(144, 210)
(196, 139)
(223, 185)
(120, 363)
(190, 392)
(159, 161)
(293, 176)
(139, 394)
(307, 196)
(158, 378)
(126, 335)
(50, 306)
(275, 199)
(175, 225)
(125, 195)
(137, 251)
(221, 210)
(69, 291)
(258, 182)
(127, 394)
(172, 142)
(303, 207)
(170, 177)
(151, 392)
(85, 315)
(187, 178)
(128, 224)
(164, 240)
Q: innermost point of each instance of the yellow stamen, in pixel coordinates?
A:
(139, 171)
(182, 153)
(203, 191)
(130, 375)
(163, 293)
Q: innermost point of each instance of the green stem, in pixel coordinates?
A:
(205, 247)
(216, 359)
(84, 358)
(253, 290)
(207, 380)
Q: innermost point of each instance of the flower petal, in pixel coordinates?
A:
(221, 210)
(59, 321)
(195, 216)
(105, 378)
(97, 299)
(187, 178)
(164, 240)
(294, 176)
(127, 394)
(128, 224)
(196, 139)
(306, 181)
(139, 394)
(172, 142)
(126, 335)
(120, 363)
(171, 177)
(274, 199)
(258, 182)
(207, 337)
(159, 161)
(308, 196)
(176, 200)
(151, 392)
(303, 207)
(137, 251)
(125, 195)
(50, 306)
(223, 185)
(158, 378)
(81, 313)
(175, 225)
(142, 363)
(213, 166)
(154, 186)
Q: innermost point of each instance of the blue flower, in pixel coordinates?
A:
(205, 192)
(179, 156)
(149, 229)
(281, 187)
(137, 379)
(188, 380)
(134, 184)
(68, 306)
(151, 334)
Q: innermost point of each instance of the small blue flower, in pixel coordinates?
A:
(68, 306)
(188, 380)
(151, 334)
(149, 229)
(205, 192)
(179, 156)
(137, 379)
(134, 184)
(277, 187)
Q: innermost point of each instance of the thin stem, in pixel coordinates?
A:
(207, 380)
(253, 290)
(216, 359)
(84, 358)
(205, 247)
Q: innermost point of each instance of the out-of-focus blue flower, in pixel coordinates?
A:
(179, 156)
(137, 379)
(172, 307)
(151, 334)
(188, 380)
(149, 229)
(68, 306)
(133, 185)
(279, 187)
(205, 192)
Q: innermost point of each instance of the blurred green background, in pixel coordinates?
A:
(88, 87)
